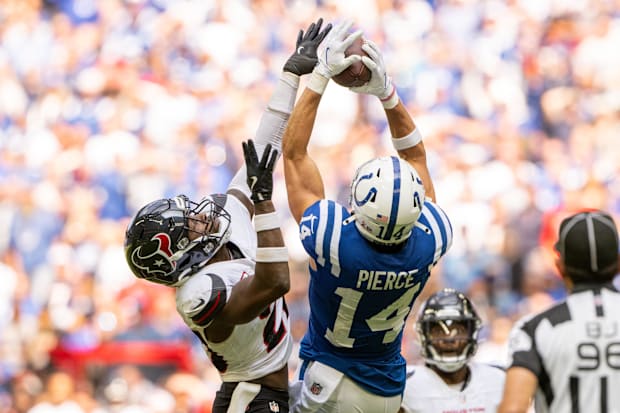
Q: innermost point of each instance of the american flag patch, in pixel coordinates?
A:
(382, 219)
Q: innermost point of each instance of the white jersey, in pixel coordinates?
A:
(573, 348)
(254, 349)
(425, 391)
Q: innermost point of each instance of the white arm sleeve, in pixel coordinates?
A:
(239, 183)
(272, 124)
(275, 118)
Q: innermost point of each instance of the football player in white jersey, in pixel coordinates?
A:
(231, 274)
(367, 266)
(448, 328)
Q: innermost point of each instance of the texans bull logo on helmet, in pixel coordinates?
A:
(144, 260)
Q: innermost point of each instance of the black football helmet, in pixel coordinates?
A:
(158, 244)
(444, 310)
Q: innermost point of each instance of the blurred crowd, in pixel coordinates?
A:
(106, 105)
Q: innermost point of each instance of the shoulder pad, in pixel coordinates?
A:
(203, 309)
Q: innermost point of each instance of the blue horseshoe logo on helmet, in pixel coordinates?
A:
(371, 193)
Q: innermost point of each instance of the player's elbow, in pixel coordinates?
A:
(282, 285)
(278, 283)
(288, 155)
(506, 407)
(287, 150)
(292, 152)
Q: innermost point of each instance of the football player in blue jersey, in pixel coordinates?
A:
(367, 266)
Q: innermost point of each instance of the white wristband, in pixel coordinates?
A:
(265, 222)
(271, 254)
(317, 83)
(391, 101)
(408, 141)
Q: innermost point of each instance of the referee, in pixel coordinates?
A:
(568, 357)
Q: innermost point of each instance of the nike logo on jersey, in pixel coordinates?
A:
(201, 303)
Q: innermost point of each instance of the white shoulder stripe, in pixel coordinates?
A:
(436, 232)
(335, 241)
(446, 225)
(320, 233)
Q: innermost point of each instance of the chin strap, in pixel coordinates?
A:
(467, 378)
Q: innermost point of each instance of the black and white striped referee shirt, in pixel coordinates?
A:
(574, 350)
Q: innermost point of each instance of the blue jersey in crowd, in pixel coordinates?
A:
(360, 296)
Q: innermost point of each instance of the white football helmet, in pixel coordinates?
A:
(387, 196)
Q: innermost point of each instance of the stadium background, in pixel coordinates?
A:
(105, 105)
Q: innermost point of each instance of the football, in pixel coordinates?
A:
(357, 74)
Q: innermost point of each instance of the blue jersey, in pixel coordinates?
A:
(360, 296)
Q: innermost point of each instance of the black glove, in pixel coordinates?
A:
(259, 175)
(304, 59)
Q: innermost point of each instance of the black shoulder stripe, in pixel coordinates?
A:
(214, 304)
(557, 314)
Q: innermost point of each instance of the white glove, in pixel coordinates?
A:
(330, 52)
(380, 84)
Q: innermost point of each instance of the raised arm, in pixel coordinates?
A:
(271, 280)
(406, 138)
(405, 133)
(519, 390)
(276, 115)
(304, 184)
